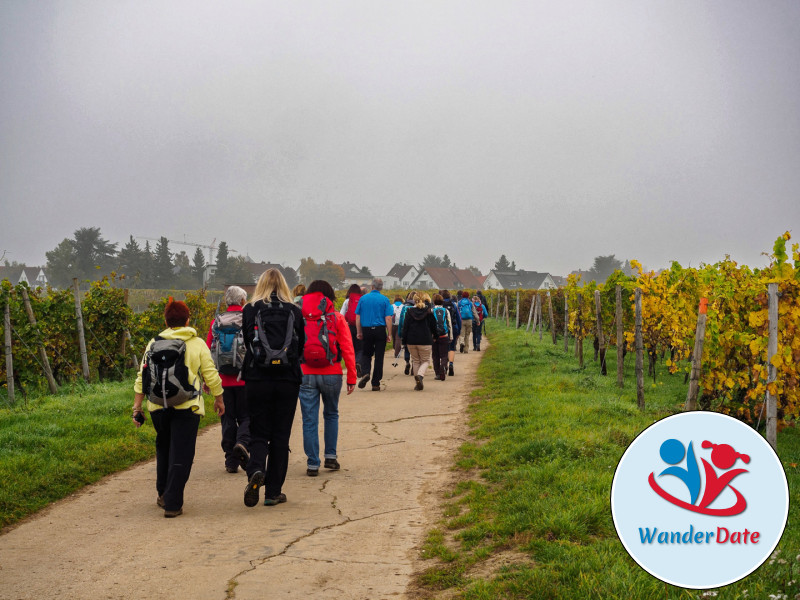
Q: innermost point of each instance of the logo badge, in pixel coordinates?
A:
(699, 500)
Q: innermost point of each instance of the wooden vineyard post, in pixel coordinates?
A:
(552, 316)
(566, 322)
(516, 313)
(541, 320)
(639, 350)
(506, 312)
(530, 313)
(48, 373)
(9, 357)
(497, 313)
(81, 338)
(772, 373)
(491, 304)
(600, 339)
(697, 356)
(579, 337)
(620, 340)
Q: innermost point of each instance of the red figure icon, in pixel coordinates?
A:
(724, 457)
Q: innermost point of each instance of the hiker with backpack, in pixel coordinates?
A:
(481, 312)
(374, 326)
(468, 317)
(411, 298)
(349, 312)
(444, 332)
(327, 343)
(419, 331)
(455, 318)
(226, 341)
(397, 307)
(174, 366)
(274, 336)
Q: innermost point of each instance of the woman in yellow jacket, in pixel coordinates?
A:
(176, 426)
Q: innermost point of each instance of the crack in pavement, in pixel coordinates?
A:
(375, 446)
(348, 562)
(254, 564)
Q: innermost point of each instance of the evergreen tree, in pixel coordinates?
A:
(162, 264)
(502, 264)
(603, 267)
(198, 267)
(61, 264)
(94, 256)
(222, 273)
(446, 261)
(432, 260)
(129, 260)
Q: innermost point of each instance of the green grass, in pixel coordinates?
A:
(536, 480)
(57, 444)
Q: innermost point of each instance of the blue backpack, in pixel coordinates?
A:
(440, 314)
(465, 308)
(227, 343)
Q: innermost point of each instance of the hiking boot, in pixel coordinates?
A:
(419, 382)
(442, 377)
(251, 491)
(362, 383)
(461, 349)
(376, 388)
(408, 369)
(359, 374)
(279, 499)
(241, 454)
(232, 469)
(312, 472)
(332, 464)
(160, 501)
(450, 370)
(171, 514)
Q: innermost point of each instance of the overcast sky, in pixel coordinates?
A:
(378, 132)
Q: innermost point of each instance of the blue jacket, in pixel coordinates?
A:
(455, 317)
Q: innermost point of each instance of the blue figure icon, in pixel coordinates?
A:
(672, 452)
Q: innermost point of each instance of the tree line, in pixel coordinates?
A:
(89, 256)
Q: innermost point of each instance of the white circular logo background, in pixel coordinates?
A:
(699, 500)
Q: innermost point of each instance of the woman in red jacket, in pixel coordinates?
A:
(236, 420)
(324, 382)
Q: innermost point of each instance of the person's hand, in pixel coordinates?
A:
(350, 388)
(219, 406)
(360, 335)
(138, 417)
(205, 389)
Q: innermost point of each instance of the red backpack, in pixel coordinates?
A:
(321, 348)
(352, 303)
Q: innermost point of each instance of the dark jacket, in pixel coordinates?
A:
(251, 372)
(419, 326)
(455, 316)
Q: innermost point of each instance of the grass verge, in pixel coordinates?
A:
(530, 516)
(57, 444)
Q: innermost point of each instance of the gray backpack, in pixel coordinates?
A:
(165, 376)
(227, 343)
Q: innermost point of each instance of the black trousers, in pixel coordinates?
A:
(440, 348)
(358, 345)
(235, 422)
(272, 405)
(176, 438)
(374, 343)
(476, 335)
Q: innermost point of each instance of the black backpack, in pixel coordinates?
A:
(274, 321)
(440, 314)
(165, 377)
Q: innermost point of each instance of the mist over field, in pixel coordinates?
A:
(379, 133)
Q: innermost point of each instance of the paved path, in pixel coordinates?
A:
(354, 533)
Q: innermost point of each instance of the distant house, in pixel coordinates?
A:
(33, 276)
(400, 276)
(352, 274)
(522, 280)
(445, 278)
(559, 281)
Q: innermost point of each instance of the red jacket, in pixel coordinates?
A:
(227, 380)
(349, 355)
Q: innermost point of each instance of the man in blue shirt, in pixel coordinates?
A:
(374, 326)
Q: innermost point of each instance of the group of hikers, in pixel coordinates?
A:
(260, 356)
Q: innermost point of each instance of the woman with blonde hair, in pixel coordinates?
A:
(419, 331)
(274, 334)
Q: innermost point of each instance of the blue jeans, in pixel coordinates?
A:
(328, 387)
